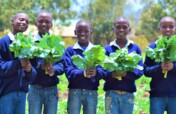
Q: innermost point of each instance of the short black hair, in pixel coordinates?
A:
(167, 17)
(121, 17)
(44, 12)
(81, 21)
(18, 14)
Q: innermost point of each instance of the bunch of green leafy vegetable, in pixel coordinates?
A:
(92, 58)
(23, 46)
(120, 61)
(165, 51)
(51, 48)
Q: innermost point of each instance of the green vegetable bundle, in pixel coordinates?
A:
(165, 51)
(51, 48)
(121, 61)
(23, 46)
(93, 57)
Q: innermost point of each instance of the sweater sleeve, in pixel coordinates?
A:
(8, 68)
(73, 74)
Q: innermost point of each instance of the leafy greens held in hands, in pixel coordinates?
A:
(23, 46)
(92, 58)
(165, 51)
(51, 48)
(120, 61)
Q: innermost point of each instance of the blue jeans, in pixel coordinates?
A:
(119, 103)
(78, 97)
(43, 100)
(13, 103)
(160, 104)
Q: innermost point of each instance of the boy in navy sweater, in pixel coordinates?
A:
(15, 73)
(119, 97)
(43, 92)
(82, 89)
(163, 90)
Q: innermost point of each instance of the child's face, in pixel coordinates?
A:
(167, 27)
(20, 23)
(44, 23)
(83, 32)
(121, 28)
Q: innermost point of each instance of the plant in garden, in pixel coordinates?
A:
(165, 51)
(23, 46)
(92, 58)
(121, 61)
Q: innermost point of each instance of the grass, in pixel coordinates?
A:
(141, 96)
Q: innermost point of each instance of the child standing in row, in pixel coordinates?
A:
(119, 98)
(15, 73)
(43, 93)
(163, 90)
(82, 89)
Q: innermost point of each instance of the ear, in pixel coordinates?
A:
(11, 22)
(91, 31)
(75, 32)
(35, 24)
(112, 29)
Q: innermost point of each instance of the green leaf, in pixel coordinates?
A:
(92, 57)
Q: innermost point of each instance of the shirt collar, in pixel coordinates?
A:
(12, 37)
(37, 37)
(77, 46)
(113, 43)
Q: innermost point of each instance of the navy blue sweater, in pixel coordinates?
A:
(75, 76)
(128, 82)
(44, 79)
(12, 76)
(160, 86)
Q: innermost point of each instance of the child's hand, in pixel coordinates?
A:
(167, 66)
(47, 66)
(50, 70)
(26, 65)
(116, 74)
(90, 72)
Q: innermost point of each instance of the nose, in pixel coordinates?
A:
(167, 28)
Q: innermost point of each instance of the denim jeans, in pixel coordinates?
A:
(42, 100)
(82, 97)
(13, 103)
(160, 104)
(119, 103)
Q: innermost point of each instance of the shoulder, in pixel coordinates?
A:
(69, 48)
(152, 45)
(107, 46)
(4, 40)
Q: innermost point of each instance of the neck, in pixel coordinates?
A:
(121, 42)
(41, 34)
(83, 44)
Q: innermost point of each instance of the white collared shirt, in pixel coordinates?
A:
(77, 46)
(37, 37)
(113, 43)
(12, 37)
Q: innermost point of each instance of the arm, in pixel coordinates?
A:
(72, 73)
(9, 68)
(138, 72)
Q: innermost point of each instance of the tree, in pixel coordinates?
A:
(59, 8)
(101, 14)
(151, 15)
